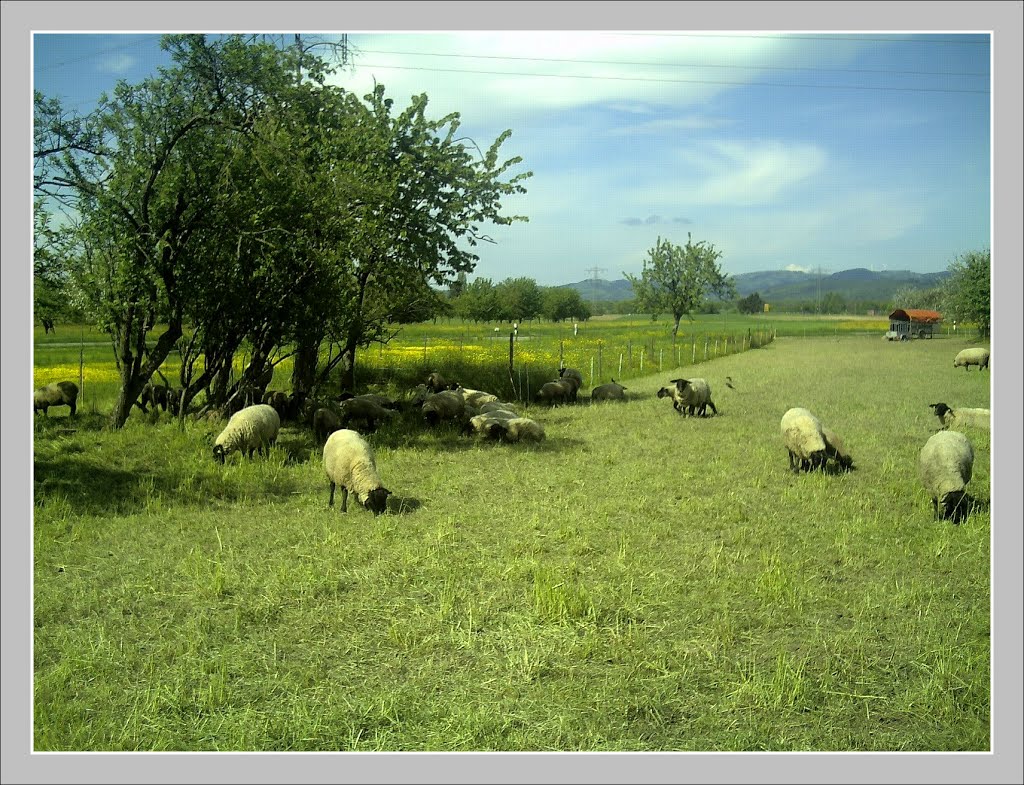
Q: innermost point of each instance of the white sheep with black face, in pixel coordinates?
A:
(945, 465)
(252, 429)
(349, 462)
(971, 418)
(805, 442)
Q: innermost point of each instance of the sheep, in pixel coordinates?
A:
(325, 422)
(476, 398)
(489, 424)
(436, 383)
(495, 406)
(56, 394)
(175, 396)
(978, 355)
(976, 418)
(835, 449)
(673, 393)
(363, 410)
(279, 400)
(445, 405)
(522, 429)
(945, 466)
(154, 395)
(612, 391)
(349, 462)
(249, 430)
(573, 377)
(695, 396)
(802, 434)
(554, 393)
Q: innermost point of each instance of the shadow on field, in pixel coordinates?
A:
(402, 505)
(968, 506)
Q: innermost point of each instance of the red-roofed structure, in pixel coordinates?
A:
(906, 323)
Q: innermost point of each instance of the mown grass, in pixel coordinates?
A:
(639, 581)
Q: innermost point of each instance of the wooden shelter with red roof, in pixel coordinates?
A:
(907, 323)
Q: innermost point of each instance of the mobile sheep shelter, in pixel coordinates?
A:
(910, 323)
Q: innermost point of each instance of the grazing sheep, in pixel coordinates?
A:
(802, 434)
(673, 393)
(154, 395)
(574, 378)
(979, 356)
(612, 391)
(945, 466)
(249, 430)
(523, 429)
(56, 394)
(436, 383)
(695, 396)
(972, 418)
(175, 396)
(835, 449)
(280, 401)
(445, 405)
(364, 410)
(554, 393)
(325, 422)
(349, 462)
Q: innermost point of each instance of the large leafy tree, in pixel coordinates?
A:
(969, 290)
(150, 188)
(676, 279)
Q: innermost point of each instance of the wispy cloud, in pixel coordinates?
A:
(116, 64)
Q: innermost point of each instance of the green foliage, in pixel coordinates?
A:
(519, 299)
(564, 303)
(677, 279)
(969, 290)
(751, 304)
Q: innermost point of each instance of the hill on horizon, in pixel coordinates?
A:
(787, 286)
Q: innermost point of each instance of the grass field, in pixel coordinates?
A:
(639, 581)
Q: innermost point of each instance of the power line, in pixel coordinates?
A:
(681, 65)
(786, 37)
(678, 81)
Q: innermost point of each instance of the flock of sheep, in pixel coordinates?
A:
(945, 462)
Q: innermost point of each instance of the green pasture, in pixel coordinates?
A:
(638, 581)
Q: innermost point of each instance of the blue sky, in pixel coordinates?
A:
(785, 150)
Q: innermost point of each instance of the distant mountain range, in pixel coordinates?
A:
(781, 286)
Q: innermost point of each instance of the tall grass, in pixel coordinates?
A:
(638, 581)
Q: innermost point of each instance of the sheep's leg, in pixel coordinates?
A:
(344, 499)
(330, 502)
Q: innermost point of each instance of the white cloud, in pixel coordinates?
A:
(116, 64)
(795, 268)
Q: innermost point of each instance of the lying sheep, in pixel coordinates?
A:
(363, 410)
(447, 405)
(56, 394)
(476, 398)
(495, 406)
(489, 424)
(802, 434)
(972, 418)
(612, 391)
(349, 462)
(945, 466)
(523, 429)
(694, 395)
(554, 393)
(252, 429)
(325, 422)
(978, 355)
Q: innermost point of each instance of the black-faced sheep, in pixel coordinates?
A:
(523, 429)
(573, 377)
(695, 396)
(445, 406)
(349, 462)
(971, 418)
(945, 466)
(554, 393)
(489, 424)
(613, 391)
(363, 410)
(252, 429)
(476, 398)
(835, 449)
(56, 394)
(154, 395)
(802, 434)
(325, 422)
(436, 383)
(977, 355)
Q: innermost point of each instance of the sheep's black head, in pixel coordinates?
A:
(681, 384)
(377, 500)
(955, 506)
(218, 453)
(940, 409)
(432, 418)
(664, 392)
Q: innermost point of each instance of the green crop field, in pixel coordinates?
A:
(638, 581)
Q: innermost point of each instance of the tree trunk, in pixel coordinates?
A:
(348, 367)
(304, 368)
(675, 325)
